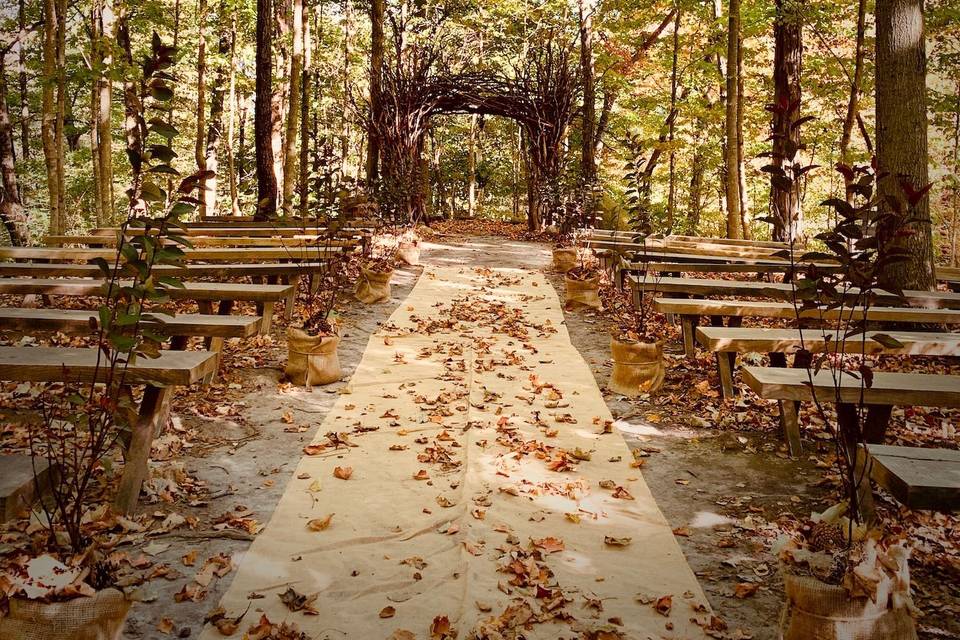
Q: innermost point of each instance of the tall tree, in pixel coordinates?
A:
(290, 172)
(731, 160)
(101, 106)
(741, 159)
(853, 102)
(215, 123)
(24, 101)
(53, 105)
(201, 146)
(232, 119)
(672, 189)
(377, 11)
(304, 180)
(588, 161)
(11, 207)
(901, 107)
(787, 63)
(263, 118)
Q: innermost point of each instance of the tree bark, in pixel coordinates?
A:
(787, 65)
(101, 107)
(732, 180)
(345, 82)
(133, 121)
(377, 11)
(741, 161)
(290, 172)
(279, 98)
(672, 190)
(201, 146)
(304, 180)
(901, 113)
(53, 104)
(22, 73)
(588, 161)
(11, 206)
(263, 119)
(472, 167)
(231, 122)
(215, 123)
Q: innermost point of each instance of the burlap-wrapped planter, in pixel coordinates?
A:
(100, 617)
(409, 253)
(373, 286)
(815, 610)
(312, 360)
(637, 367)
(564, 259)
(583, 293)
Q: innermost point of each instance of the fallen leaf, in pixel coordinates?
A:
(343, 473)
(617, 542)
(745, 589)
(663, 605)
(320, 524)
(388, 612)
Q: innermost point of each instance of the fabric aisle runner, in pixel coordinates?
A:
(489, 490)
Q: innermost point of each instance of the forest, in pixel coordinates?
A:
(489, 320)
(689, 94)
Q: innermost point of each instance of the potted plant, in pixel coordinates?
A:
(564, 254)
(312, 357)
(842, 578)
(408, 249)
(61, 584)
(582, 286)
(636, 348)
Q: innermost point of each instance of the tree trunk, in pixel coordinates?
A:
(263, 118)
(672, 190)
(588, 161)
(215, 124)
(24, 99)
(345, 82)
(901, 113)
(732, 178)
(231, 122)
(955, 196)
(279, 97)
(101, 107)
(787, 64)
(53, 105)
(472, 168)
(200, 145)
(304, 180)
(11, 206)
(741, 162)
(133, 121)
(377, 10)
(290, 172)
(853, 103)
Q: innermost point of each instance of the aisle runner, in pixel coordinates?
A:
(488, 496)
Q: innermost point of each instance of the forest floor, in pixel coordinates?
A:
(718, 470)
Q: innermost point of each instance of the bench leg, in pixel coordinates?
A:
(179, 343)
(215, 345)
(862, 476)
(687, 325)
(725, 366)
(790, 421)
(875, 426)
(291, 301)
(153, 410)
(267, 318)
(205, 307)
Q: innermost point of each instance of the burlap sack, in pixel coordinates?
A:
(409, 253)
(564, 259)
(637, 367)
(373, 286)
(815, 610)
(583, 293)
(98, 618)
(312, 360)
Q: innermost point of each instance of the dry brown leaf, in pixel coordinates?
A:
(388, 612)
(320, 524)
(343, 473)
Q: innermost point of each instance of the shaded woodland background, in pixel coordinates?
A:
(683, 90)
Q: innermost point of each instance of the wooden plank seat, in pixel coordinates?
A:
(213, 328)
(19, 483)
(733, 311)
(602, 234)
(242, 232)
(918, 477)
(689, 249)
(160, 376)
(727, 342)
(789, 386)
(205, 293)
(209, 254)
(776, 291)
(298, 241)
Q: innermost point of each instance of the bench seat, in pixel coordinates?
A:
(919, 478)
(160, 375)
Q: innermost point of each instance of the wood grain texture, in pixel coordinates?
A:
(763, 340)
(190, 290)
(74, 321)
(297, 241)
(60, 364)
(231, 254)
(66, 269)
(764, 309)
(897, 389)
(919, 478)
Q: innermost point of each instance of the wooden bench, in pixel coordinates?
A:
(733, 311)
(685, 249)
(726, 342)
(298, 242)
(775, 290)
(214, 254)
(604, 234)
(214, 328)
(789, 386)
(919, 478)
(160, 376)
(204, 293)
(23, 480)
